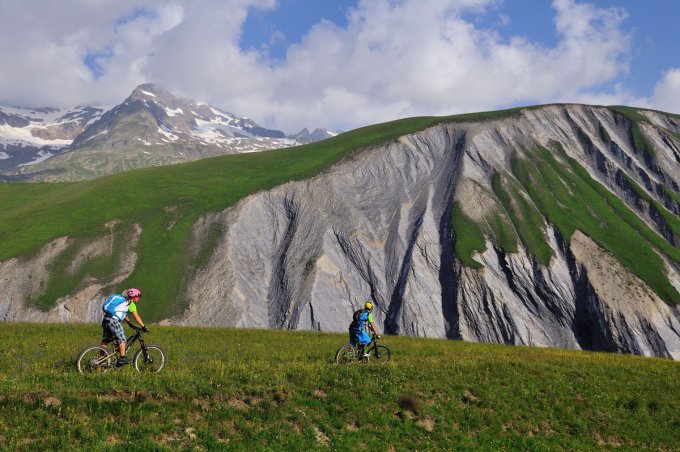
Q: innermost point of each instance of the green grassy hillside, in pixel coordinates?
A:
(166, 201)
(563, 193)
(256, 389)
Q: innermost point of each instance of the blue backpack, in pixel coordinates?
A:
(110, 304)
(356, 319)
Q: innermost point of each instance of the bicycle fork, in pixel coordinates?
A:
(147, 358)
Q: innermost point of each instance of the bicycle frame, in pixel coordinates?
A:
(129, 343)
(132, 339)
(371, 346)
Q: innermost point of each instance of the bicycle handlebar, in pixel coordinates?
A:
(134, 327)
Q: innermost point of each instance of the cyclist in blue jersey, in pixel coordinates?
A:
(362, 320)
(116, 308)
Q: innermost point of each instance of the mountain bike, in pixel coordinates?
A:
(99, 359)
(348, 353)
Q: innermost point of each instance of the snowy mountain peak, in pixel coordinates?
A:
(151, 92)
(197, 120)
(150, 127)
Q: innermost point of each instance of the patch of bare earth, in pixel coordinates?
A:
(352, 427)
(612, 282)
(321, 437)
(474, 201)
(427, 423)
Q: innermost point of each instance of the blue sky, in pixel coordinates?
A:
(341, 64)
(275, 29)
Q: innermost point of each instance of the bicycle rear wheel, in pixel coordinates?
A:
(380, 354)
(346, 354)
(151, 360)
(94, 359)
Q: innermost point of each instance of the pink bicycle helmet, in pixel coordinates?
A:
(133, 293)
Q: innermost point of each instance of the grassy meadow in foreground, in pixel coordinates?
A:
(261, 389)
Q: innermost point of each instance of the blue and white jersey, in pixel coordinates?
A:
(117, 306)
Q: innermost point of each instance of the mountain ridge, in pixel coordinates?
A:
(151, 127)
(396, 212)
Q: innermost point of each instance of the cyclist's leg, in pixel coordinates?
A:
(355, 338)
(355, 341)
(119, 339)
(108, 335)
(364, 340)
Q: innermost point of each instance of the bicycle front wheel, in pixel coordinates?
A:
(94, 359)
(380, 354)
(149, 359)
(346, 354)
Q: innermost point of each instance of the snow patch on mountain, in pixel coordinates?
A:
(44, 127)
(103, 132)
(173, 112)
(41, 156)
(217, 131)
(167, 132)
(21, 136)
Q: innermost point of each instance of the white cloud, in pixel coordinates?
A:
(409, 58)
(666, 95)
(44, 45)
(129, 53)
(395, 58)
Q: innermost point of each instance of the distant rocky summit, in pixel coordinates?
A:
(304, 137)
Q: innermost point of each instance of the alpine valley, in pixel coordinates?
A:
(551, 226)
(151, 127)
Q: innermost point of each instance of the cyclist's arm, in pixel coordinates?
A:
(138, 319)
(371, 325)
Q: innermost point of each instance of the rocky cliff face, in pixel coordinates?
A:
(306, 254)
(379, 225)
